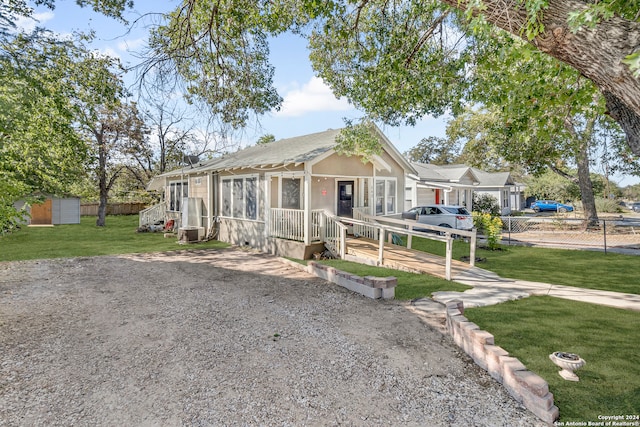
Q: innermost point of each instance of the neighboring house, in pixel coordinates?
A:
(456, 184)
(273, 196)
(441, 185)
(52, 211)
(499, 185)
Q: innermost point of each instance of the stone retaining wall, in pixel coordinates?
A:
(525, 386)
(369, 286)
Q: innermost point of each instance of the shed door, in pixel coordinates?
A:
(345, 198)
(41, 213)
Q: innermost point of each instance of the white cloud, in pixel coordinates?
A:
(27, 25)
(314, 96)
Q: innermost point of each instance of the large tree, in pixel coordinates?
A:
(113, 130)
(40, 151)
(396, 60)
(537, 112)
(436, 150)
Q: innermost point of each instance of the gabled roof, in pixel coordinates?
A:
(296, 150)
(299, 149)
(444, 173)
(493, 179)
(455, 173)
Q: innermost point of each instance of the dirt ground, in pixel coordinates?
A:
(225, 337)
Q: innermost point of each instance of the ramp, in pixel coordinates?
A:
(401, 258)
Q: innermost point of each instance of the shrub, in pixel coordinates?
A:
(490, 226)
(486, 203)
(607, 205)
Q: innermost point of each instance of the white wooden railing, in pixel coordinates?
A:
(335, 235)
(317, 225)
(152, 214)
(287, 224)
(385, 226)
(364, 214)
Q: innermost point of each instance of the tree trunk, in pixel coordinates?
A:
(586, 186)
(102, 180)
(596, 53)
(102, 211)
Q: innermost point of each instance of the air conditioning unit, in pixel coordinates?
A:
(190, 234)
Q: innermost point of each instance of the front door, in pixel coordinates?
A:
(345, 198)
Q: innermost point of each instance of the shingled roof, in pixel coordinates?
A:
(294, 150)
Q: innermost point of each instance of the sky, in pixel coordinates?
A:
(308, 106)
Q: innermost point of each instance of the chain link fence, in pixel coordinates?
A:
(615, 235)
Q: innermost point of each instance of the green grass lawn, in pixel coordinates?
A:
(85, 239)
(606, 338)
(584, 269)
(410, 285)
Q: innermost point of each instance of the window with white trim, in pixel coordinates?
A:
(240, 197)
(386, 196)
(177, 191)
(292, 193)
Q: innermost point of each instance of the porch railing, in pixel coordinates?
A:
(289, 224)
(364, 214)
(335, 235)
(317, 219)
(152, 214)
(386, 227)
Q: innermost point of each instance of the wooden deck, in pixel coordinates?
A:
(401, 258)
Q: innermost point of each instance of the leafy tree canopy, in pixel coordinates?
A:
(437, 151)
(396, 60)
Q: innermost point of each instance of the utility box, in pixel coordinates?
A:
(190, 234)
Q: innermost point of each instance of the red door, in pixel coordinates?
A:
(438, 191)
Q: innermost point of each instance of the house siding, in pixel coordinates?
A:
(66, 210)
(336, 165)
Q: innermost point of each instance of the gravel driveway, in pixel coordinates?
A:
(224, 337)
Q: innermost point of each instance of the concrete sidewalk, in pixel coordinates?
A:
(489, 289)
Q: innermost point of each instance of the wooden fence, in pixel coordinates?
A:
(131, 208)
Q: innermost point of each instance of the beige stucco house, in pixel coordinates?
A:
(275, 197)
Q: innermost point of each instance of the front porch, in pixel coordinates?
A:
(297, 233)
(369, 239)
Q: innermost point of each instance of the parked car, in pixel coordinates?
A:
(441, 215)
(550, 205)
(635, 207)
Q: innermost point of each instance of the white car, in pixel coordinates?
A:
(441, 215)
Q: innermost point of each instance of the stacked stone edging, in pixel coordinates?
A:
(525, 386)
(369, 286)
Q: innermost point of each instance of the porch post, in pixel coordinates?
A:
(307, 204)
(448, 257)
(381, 235)
(267, 206)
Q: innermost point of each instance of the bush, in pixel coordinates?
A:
(486, 203)
(608, 206)
(490, 226)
